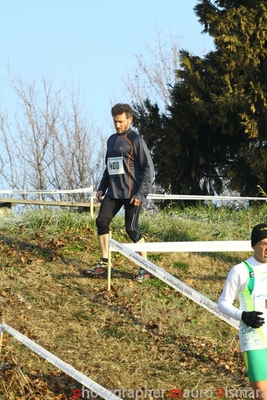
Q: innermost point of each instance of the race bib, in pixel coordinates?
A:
(261, 302)
(115, 166)
(261, 305)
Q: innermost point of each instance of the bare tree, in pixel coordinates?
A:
(155, 72)
(50, 145)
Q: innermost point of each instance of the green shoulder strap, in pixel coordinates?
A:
(247, 295)
(251, 281)
(249, 288)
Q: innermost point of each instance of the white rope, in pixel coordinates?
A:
(191, 247)
(153, 196)
(68, 369)
(83, 190)
(195, 197)
(172, 281)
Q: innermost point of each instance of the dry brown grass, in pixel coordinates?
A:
(135, 336)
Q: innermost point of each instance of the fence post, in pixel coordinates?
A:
(91, 202)
(109, 264)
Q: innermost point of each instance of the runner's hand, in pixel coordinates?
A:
(135, 201)
(99, 196)
(252, 319)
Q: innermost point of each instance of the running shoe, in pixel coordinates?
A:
(101, 269)
(142, 276)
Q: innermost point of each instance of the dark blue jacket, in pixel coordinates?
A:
(129, 167)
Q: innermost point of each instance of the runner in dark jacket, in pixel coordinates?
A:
(126, 182)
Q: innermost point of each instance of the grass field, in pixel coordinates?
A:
(146, 337)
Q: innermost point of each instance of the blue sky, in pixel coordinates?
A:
(90, 43)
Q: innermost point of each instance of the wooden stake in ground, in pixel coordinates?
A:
(109, 265)
(1, 336)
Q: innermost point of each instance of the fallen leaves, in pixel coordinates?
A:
(133, 336)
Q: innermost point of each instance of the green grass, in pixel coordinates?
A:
(134, 336)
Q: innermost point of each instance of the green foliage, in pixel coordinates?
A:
(213, 136)
(181, 265)
(151, 325)
(191, 223)
(49, 222)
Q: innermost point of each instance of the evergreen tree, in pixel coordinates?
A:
(239, 29)
(214, 134)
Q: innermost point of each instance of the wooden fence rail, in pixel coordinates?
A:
(7, 204)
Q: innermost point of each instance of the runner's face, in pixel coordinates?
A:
(260, 251)
(122, 123)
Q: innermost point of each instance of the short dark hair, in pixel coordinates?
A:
(121, 108)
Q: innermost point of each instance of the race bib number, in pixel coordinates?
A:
(115, 166)
(261, 303)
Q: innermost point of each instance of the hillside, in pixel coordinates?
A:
(145, 337)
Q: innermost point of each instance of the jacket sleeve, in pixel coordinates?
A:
(104, 184)
(235, 283)
(146, 171)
